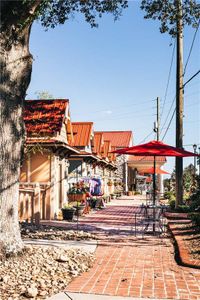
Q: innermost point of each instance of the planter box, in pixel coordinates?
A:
(76, 197)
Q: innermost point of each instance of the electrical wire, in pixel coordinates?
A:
(191, 78)
(121, 106)
(185, 68)
(191, 47)
(146, 137)
(168, 114)
(168, 80)
(169, 124)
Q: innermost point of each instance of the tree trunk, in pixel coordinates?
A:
(16, 67)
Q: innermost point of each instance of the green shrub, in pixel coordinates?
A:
(184, 208)
(195, 200)
(172, 203)
(169, 195)
(137, 193)
(195, 217)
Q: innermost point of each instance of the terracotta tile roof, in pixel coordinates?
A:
(119, 139)
(82, 133)
(113, 155)
(133, 158)
(98, 141)
(44, 117)
(106, 149)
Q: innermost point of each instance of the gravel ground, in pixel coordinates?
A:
(29, 231)
(40, 272)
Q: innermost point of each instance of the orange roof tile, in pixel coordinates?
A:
(119, 139)
(44, 116)
(82, 133)
(133, 158)
(98, 141)
(106, 149)
(113, 155)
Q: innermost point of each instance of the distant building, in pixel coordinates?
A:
(119, 140)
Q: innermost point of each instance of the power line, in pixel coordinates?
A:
(168, 114)
(169, 124)
(146, 137)
(191, 49)
(190, 145)
(168, 80)
(191, 78)
(121, 106)
(121, 118)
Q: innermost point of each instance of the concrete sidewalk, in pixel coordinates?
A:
(88, 246)
(77, 296)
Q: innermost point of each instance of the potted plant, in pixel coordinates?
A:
(77, 193)
(92, 202)
(68, 212)
(78, 207)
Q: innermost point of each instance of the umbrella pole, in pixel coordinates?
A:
(154, 181)
(154, 191)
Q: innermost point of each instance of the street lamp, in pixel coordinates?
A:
(195, 149)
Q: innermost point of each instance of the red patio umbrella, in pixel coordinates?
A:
(155, 148)
(151, 171)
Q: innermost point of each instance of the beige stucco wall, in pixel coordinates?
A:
(59, 184)
(40, 170)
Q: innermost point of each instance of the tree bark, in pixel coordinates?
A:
(16, 67)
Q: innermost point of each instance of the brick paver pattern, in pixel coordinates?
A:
(129, 265)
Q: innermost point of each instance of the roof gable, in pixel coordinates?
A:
(98, 141)
(119, 139)
(82, 132)
(44, 117)
(106, 149)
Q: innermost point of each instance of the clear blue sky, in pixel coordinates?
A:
(112, 74)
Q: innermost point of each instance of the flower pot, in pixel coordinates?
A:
(92, 203)
(68, 213)
(79, 210)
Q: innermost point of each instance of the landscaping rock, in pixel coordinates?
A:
(45, 232)
(31, 292)
(38, 274)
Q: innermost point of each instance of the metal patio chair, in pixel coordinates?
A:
(152, 218)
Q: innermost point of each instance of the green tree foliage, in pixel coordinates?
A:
(54, 12)
(43, 95)
(57, 12)
(166, 11)
(189, 181)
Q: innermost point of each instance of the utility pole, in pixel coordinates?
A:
(179, 104)
(158, 118)
(160, 177)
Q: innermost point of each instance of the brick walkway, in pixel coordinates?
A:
(131, 266)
